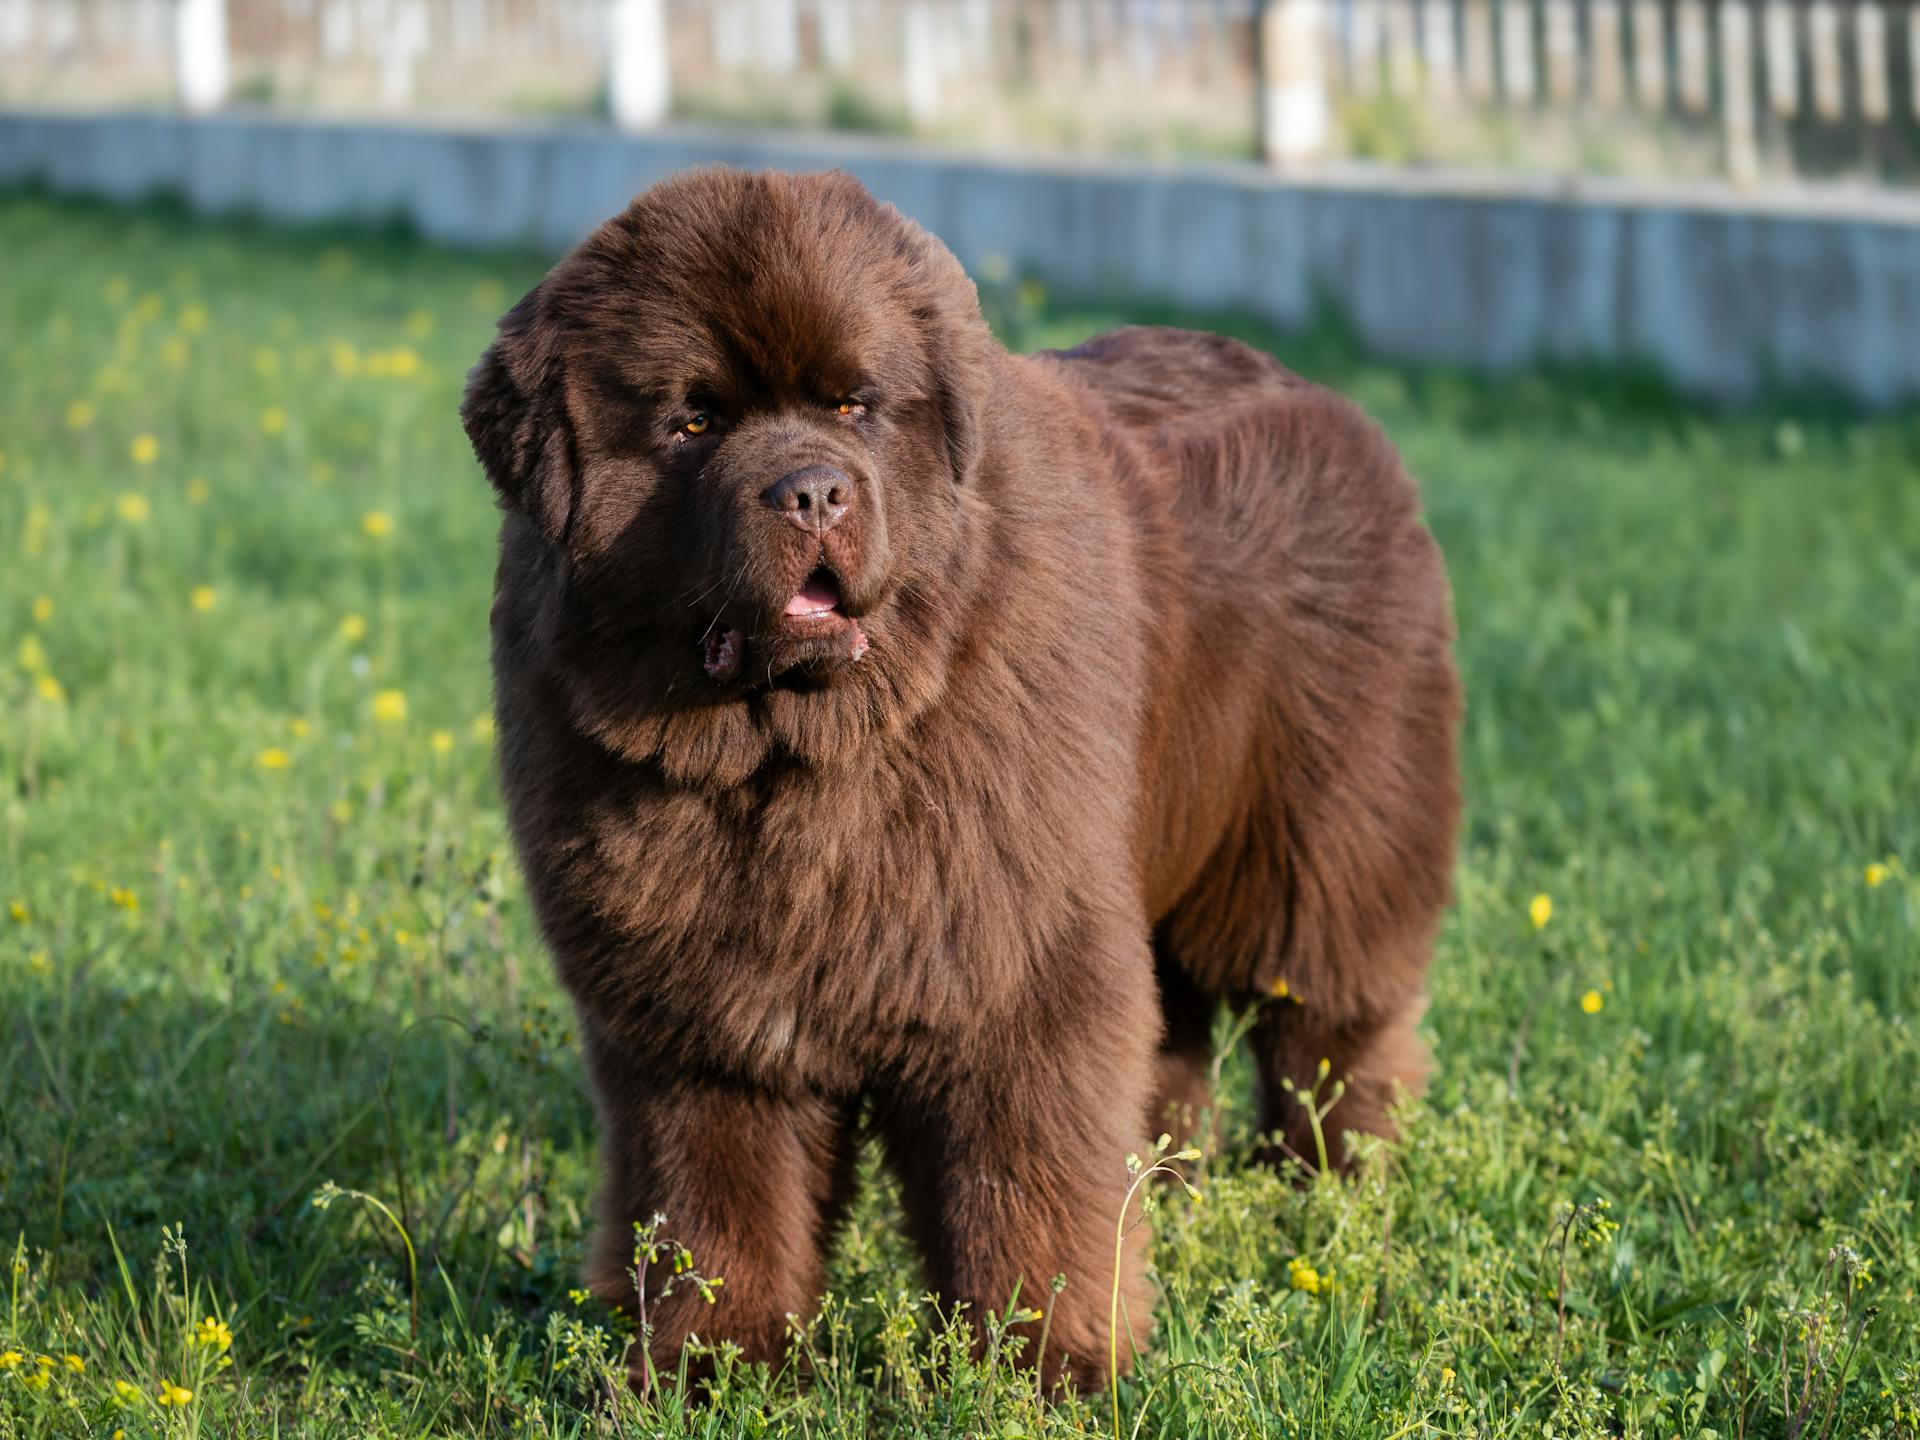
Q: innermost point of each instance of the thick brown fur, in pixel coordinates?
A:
(1137, 700)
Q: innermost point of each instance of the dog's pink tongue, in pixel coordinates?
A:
(818, 596)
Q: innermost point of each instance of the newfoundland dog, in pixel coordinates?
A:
(903, 735)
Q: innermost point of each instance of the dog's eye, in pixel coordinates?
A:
(699, 424)
(852, 407)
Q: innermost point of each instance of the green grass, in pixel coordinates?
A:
(263, 939)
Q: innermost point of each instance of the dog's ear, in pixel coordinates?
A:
(962, 345)
(515, 413)
(960, 388)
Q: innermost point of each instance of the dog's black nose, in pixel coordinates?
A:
(815, 499)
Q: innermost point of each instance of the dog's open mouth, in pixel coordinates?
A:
(818, 598)
(811, 631)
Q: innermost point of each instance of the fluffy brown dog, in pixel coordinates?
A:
(894, 726)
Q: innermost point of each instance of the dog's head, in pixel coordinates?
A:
(735, 432)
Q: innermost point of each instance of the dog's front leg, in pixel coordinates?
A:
(1012, 1152)
(751, 1183)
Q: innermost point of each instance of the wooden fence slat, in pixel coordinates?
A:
(1363, 46)
(1518, 80)
(1870, 51)
(1476, 24)
(200, 40)
(1823, 41)
(1649, 55)
(1606, 81)
(1403, 47)
(1295, 121)
(1692, 56)
(920, 61)
(1783, 58)
(1913, 55)
(1742, 154)
(1437, 45)
(637, 74)
(1562, 24)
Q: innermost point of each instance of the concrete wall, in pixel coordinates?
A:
(1720, 291)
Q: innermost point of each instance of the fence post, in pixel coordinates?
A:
(920, 60)
(1296, 116)
(639, 83)
(201, 66)
(1736, 92)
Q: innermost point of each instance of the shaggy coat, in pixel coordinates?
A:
(900, 732)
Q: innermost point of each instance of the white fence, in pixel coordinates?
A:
(1742, 88)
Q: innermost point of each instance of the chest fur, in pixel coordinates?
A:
(814, 927)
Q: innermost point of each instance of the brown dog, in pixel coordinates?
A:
(892, 725)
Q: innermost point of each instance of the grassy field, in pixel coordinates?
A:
(293, 1132)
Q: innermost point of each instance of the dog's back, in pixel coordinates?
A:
(1300, 757)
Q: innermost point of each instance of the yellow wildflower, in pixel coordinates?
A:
(40, 963)
(377, 523)
(174, 1395)
(10, 1359)
(143, 450)
(482, 728)
(1540, 911)
(353, 628)
(1279, 989)
(390, 706)
(1876, 875)
(442, 741)
(126, 1391)
(32, 655)
(133, 508)
(1592, 1001)
(76, 1364)
(126, 899)
(1302, 1276)
(193, 318)
(346, 360)
(198, 491)
(79, 415)
(273, 419)
(274, 758)
(18, 910)
(50, 690)
(42, 609)
(203, 598)
(300, 727)
(36, 1379)
(403, 362)
(266, 361)
(174, 352)
(214, 1333)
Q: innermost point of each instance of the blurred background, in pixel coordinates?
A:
(1742, 89)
